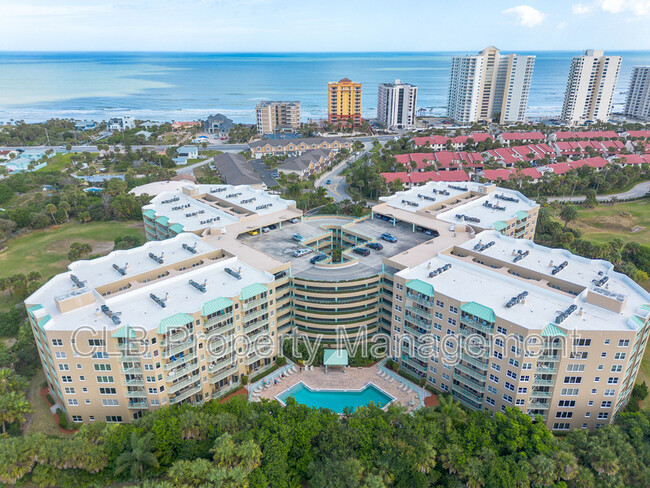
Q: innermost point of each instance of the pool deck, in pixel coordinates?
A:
(347, 379)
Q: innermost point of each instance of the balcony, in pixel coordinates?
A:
(174, 350)
(467, 397)
(175, 387)
(546, 369)
(254, 314)
(254, 303)
(139, 382)
(469, 382)
(412, 362)
(136, 394)
(132, 370)
(179, 362)
(478, 375)
(138, 404)
(475, 324)
(217, 331)
(541, 394)
(184, 395)
(419, 321)
(255, 325)
(549, 357)
(536, 405)
(427, 302)
(541, 382)
(474, 361)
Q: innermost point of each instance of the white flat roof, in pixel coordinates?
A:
(467, 282)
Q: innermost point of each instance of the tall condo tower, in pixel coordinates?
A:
(638, 95)
(396, 104)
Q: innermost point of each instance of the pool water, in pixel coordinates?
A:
(336, 400)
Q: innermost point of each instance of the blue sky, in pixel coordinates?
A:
(334, 25)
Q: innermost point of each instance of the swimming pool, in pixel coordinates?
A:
(336, 400)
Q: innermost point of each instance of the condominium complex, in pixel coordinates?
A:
(396, 105)
(590, 87)
(490, 87)
(638, 95)
(184, 317)
(344, 101)
(277, 116)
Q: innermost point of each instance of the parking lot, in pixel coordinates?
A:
(279, 244)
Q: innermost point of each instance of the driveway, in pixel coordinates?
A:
(637, 191)
(265, 173)
(337, 186)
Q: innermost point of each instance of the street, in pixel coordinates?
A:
(637, 191)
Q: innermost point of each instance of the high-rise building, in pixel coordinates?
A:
(344, 101)
(590, 87)
(490, 87)
(638, 95)
(273, 116)
(396, 105)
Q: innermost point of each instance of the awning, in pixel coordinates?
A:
(162, 220)
(499, 225)
(478, 310)
(178, 228)
(124, 332)
(335, 357)
(552, 330)
(421, 287)
(215, 305)
(175, 321)
(252, 290)
(521, 215)
(635, 322)
(151, 213)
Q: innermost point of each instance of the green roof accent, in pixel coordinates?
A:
(44, 320)
(178, 228)
(151, 213)
(645, 307)
(215, 305)
(421, 287)
(499, 225)
(478, 310)
(637, 321)
(175, 321)
(124, 332)
(162, 220)
(552, 330)
(521, 215)
(252, 290)
(34, 308)
(335, 357)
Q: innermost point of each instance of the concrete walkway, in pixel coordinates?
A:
(637, 191)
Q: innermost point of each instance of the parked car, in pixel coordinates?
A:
(375, 245)
(297, 237)
(317, 258)
(275, 174)
(253, 232)
(361, 250)
(328, 182)
(298, 253)
(265, 229)
(273, 226)
(294, 221)
(388, 237)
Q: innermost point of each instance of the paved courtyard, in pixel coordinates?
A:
(347, 379)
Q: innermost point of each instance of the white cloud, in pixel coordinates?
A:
(527, 16)
(582, 9)
(637, 7)
(562, 25)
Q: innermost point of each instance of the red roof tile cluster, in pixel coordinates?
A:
(579, 147)
(642, 134)
(447, 160)
(420, 177)
(442, 140)
(523, 136)
(536, 173)
(634, 158)
(511, 155)
(591, 134)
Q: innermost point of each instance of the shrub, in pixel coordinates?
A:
(63, 420)
(281, 361)
(244, 379)
(50, 400)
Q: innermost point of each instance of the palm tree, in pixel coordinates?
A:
(13, 407)
(449, 413)
(137, 458)
(65, 206)
(569, 213)
(51, 209)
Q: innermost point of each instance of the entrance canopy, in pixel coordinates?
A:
(335, 357)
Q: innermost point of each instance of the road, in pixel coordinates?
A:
(265, 173)
(337, 186)
(189, 170)
(636, 191)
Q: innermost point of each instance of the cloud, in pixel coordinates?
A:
(562, 25)
(582, 9)
(637, 7)
(527, 16)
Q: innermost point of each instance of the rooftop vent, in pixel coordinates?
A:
(77, 281)
(467, 218)
(493, 206)
(411, 204)
(439, 270)
(171, 200)
(519, 255)
(247, 200)
(559, 268)
(480, 247)
(457, 187)
(191, 249)
(160, 301)
(201, 287)
(233, 195)
(158, 259)
(263, 206)
(601, 281)
(506, 198)
(236, 274)
(563, 315)
(517, 299)
(114, 316)
(218, 190)
(120, 270)
(425, 197)
(181, 207)
(441, 192)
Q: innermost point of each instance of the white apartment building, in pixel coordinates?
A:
(396, 105)
(490, 87)
(273, 116)
(590, 87)
(121, 123)
(638, 95)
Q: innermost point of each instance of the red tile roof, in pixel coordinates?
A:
(495, 174)
(560, 168)
(523, 136)
(643, 134)
(390, 177)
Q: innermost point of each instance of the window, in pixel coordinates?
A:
(398, 298)
(624, 343)
(77, 419)
(100, 355)
(453, 309)
(507, 398)
(148, 367)
(153, 390)
(520, 401)
(60, 355)
(492, 389)
(498, 342)
(154, 402)
(596, 379)
(437, 315)
(107, 391)
(561, 426)
(110, 402)
(502, 330)
(575, 367)
(495, 366)
(563, 415)
(398, 308)
(612, 381)
(566, 403)
(509, 386)
(440, 304)
(104, 379)
(73, 402)
(69, 390)
(525, 379)
(619, 356)
(579, 355)
(522, 390)
(511, 374)
(494, 378)
(497, 355)
(451, 321)
(64, 367)
(607, 341)
(102, 367)
(57, 342)
(66, 379)
(490, 401)
(569, 391)
(617, 368)
(603, 354)
(527, 366)
(603, 415)
(113, 418)
(513, 362)
(572, 379)
(606, 404)
(582, 342)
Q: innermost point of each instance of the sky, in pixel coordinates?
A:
(322, 25)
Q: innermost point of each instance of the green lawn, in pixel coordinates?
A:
(605, 222)
(56, 162)
(46, 250)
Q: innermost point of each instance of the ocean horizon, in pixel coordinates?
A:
(160, 86)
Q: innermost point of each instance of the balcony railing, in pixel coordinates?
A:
(175, 387)
(471, 383)
(136, 394)
(138, 404)
(427, 302)
(172, 351)
(222, 374)
(255, 303)
(475, 324)
(255, 314)
(184, 395)
(179, 361)
(255, 325)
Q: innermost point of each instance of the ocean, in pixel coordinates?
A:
(186, 86)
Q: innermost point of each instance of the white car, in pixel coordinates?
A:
(294, 221)
(266, 229)
(298, 253)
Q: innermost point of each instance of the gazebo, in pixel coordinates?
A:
(335, 357)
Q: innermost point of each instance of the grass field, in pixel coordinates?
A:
(56, 162)
(46, 250)
(41, 420)
(630, 221)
